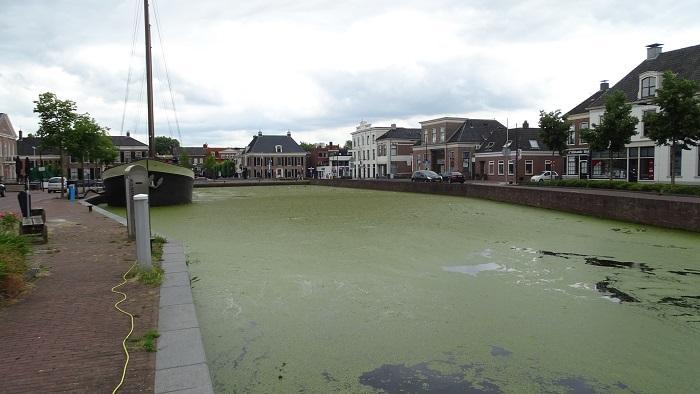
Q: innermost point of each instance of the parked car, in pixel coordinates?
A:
(545, 175)
(453, 177)
(55, 184)
(2, 190)
(425, 176)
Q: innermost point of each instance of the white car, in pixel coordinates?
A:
(55, 184)
(545, 175)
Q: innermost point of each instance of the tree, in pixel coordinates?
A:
(555, 131)
(348, 144)
(56, 119)
(184, 159)
(87, 140)
(307, 146)
(209, 165)
(166, 145)
(678, 123)
(616, 128)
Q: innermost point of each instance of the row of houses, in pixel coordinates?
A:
(485, 149)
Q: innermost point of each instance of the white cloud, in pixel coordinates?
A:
(318, 67)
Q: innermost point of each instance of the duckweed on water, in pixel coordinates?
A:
(321, 289)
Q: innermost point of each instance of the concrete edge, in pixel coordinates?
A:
(181, 349)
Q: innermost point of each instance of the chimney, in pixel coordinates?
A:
(20, 133)
(526, 125)
(653, 51)
(289, 133)
(128, 134)
(393, 126)
(330, 143)
(259, 133)
(604, 85)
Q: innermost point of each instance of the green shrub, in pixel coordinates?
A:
(664, 188)
(9, 222)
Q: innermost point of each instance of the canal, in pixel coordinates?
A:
(319, 289)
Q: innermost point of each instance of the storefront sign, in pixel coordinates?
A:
(577, 151)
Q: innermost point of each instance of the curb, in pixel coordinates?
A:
(181, 364)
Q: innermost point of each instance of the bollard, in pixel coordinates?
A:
(143, 231)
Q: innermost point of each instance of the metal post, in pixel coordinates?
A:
(143, 231)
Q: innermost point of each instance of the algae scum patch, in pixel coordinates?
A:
(313, 289)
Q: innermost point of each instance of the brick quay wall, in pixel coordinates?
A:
(676, 212)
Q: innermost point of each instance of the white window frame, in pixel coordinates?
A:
(501, 167)
(511, 167)
(278, 148)
(530, 163)
(492, 165)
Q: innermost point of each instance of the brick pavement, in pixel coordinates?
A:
(64, 335)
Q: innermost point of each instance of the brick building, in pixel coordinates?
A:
(527, 155)
(320, 156)
(449, 144)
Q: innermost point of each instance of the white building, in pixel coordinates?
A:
(364, 150)
(8, 148)
(642, 160)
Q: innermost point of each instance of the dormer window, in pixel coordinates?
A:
(648, 87)
(278, 148)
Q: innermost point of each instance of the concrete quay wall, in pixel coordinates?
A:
(676, 212)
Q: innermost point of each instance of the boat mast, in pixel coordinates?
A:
(149, 84)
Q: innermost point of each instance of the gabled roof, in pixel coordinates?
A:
(6, 126)
(25, 147)
(582, 108)
(401, 133)
(475, 131)
(685, 62)
(125, 140)
(267, 143)
(526, 139)
(193, 151)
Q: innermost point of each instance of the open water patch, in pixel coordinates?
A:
(420, 378)
(474, 270)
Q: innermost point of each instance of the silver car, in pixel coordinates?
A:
(55, 184)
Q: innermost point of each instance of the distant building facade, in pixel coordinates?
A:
(364, 150)
(395, 152)
(274, 156)
(8, 148)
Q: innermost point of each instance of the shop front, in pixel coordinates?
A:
(640, 163)
(577, 163)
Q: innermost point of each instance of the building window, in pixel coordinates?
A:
(442, 134)
(491, 168)
(425, 136)
(511, 167)
(548, 165)
(528, 167)
(374, 154)
(677, 161)
(434, 136)
(572, 135)
(584, 125)
(572, 165)
(648, 86)
(393, 150)
(501, 167)
(641, 122)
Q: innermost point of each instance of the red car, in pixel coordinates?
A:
(452, 177)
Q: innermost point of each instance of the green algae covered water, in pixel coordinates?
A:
(315, 289)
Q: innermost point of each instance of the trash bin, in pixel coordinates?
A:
(25, 203)
(71, 192)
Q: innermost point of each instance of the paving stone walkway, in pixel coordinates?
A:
(64, 335)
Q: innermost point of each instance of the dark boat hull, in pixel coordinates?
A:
(167, 188)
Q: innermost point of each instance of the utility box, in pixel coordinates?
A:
(135, 182)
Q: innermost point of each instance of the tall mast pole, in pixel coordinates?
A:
(149, 84)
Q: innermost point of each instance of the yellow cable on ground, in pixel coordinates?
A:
(116, 305)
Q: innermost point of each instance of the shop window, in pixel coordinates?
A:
(501, 167)
(491, 167)
(528, 167)
(572, 165)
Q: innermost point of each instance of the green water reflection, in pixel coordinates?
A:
(319, 289)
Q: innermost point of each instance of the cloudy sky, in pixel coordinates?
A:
(318, 67)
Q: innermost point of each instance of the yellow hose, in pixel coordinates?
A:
(116, 305)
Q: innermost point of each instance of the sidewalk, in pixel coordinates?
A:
(65, 335)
